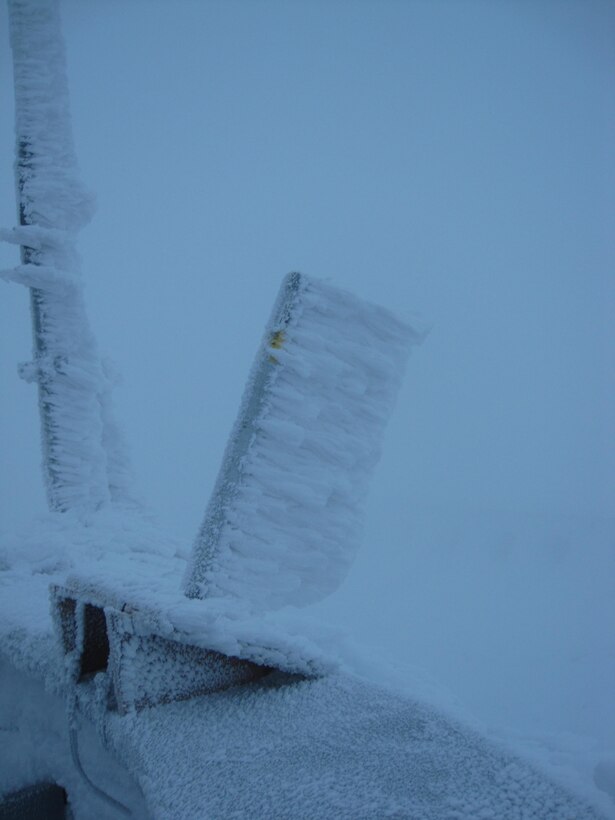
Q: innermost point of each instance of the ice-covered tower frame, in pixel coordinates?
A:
(84, 462)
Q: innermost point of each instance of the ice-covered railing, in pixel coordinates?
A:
(84, 461)
(283, 524)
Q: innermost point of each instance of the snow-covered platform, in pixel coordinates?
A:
(334, 747)
(331, 745)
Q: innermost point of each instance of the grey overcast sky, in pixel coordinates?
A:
(450, 158)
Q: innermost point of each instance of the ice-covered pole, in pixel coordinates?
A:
(82, 463)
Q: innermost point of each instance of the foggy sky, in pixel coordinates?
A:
(451, 159)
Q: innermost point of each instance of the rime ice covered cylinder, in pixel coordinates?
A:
(284, 520)
(84, 461)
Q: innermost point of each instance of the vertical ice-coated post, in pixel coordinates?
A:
(52, 207)
(206, 543)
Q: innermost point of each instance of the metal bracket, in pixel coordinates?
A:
(142, 669)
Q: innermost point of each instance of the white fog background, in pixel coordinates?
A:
(453, 159)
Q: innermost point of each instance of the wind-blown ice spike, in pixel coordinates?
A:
(283, 522)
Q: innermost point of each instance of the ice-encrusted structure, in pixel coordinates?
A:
(329, 746)
(284, 521)
(84, 461)
(95, 707)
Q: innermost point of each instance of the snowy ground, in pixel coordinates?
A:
(462, 665)
(501, 617)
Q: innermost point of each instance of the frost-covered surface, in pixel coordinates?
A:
(333, 747)
(510, 611)
(44, 552)
(118, 559)
(82, 465)
(284, 521)
(35, 748)
(54, 196)
(337, 747)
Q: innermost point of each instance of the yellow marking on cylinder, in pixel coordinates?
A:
(277, 339)
(276, 342)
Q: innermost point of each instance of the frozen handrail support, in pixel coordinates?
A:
(283, 523)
